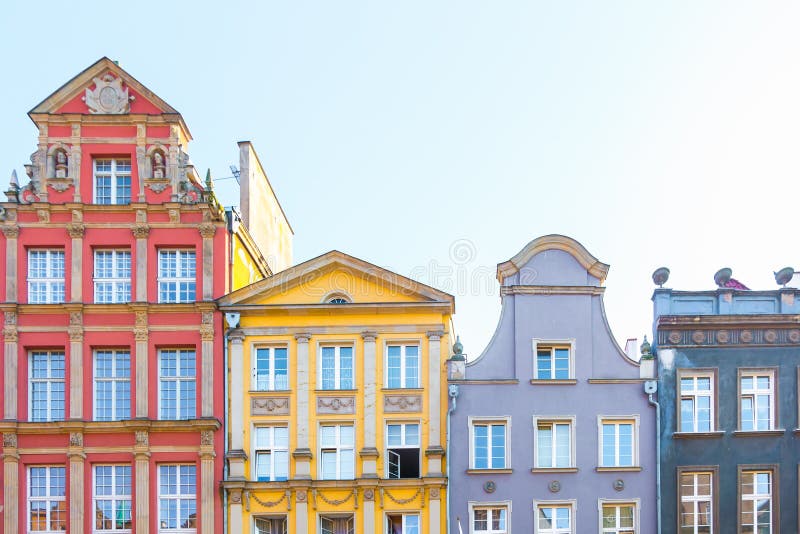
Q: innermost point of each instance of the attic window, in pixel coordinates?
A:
(337, 298)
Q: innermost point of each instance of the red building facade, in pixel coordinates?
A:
(114, 252)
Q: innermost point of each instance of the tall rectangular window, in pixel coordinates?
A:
(553, 359)
(112, 385)
(271, 370)
(112, 276)
(112, 181)
(270, 525)
(554, 443)
(177, 498)
(402, 523)
(176, 276)
(490, 520)
(272, 453)
(697, 402)
(618, 447)
(336, 524)
(45, 276)
(554, 518)
(488, 439)
(756, 511)
(47, 503)
(402, 366)
(46, 385)
(402, 450)
(177, 384)
(112, 498)
(756, 400)
(337, 451)
(696, 502)
(618, 518)
(337, 368)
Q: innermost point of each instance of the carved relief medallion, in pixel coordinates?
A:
(108, 96)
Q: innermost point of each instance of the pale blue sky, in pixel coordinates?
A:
(656, 133)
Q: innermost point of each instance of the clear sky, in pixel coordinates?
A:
(437, 138)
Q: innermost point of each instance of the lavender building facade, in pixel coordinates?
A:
(550, 429)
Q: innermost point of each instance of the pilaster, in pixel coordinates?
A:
(76, 482)
(207, 489)
(235, 510)
(435, 450)
(369, 453)
(11, 232)
(207, 364)
(368, 509)
(11, 484)
(76, 370)
(76, 231)
(141, 335)
(10, 359)
(207, 231)
(140, 231)
(141, 454)
(236, 413)
(434, 511)
(301, 513)
(302, 454)
(75, 163)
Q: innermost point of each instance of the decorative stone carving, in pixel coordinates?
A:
(207, 230)
(10, 318)
(141, 319)
(489, 486)
(76, 230)
(619, 484)
(207, 332)
(207, 437)
(269, 406)
(698, 337)
(402, 403)
(329, 405)
(44, 215)
(770, 336)
(141, 334)
(434, 335)
(159, 165)
(59, 184)
(77, 216)
(108, 96)
(141, 216)
(75, 439)
(10, 332)
(140, 231)
(369, 494)
(369, 336)
(9, 440)
(207, 317)
(302, 337)
(675, 337)
(554, 486)
(723, 336)
(174, 215)
(142, 438)
(435, 492)
(794, 336)
(157, 186)
(235, 496)
(746, 336)
(11, 231)
(75, 318)
(75, 328)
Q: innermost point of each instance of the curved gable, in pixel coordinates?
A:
(525, 268)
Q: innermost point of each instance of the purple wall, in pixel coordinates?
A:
(549, 294)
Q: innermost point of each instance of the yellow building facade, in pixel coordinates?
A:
(337, 401)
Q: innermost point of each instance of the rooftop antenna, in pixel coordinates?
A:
(784, 276)
(236, 172)
(660, 276)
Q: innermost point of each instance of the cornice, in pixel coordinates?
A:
(552, 290)
(103, 427)
(729, 334)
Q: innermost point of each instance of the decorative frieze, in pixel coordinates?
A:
(269, 406)
(728, 337)
(336, 405)
(402, 403)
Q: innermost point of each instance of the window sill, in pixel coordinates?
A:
(701, 435)
(759, 433)
(554, 470)
(562, 382)
(335, 391)
(489, 471)
(269, 391)
(402, 390)
(633, 469)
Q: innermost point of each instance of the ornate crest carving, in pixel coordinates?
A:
(158, 186)
(336, 405)
(140, 231)
(108, 96)
(60, 184)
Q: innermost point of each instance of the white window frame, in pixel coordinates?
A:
(755, 497)
(49, 500)
(754, 394)
(617, 504)
(271, 518)
(570, 504)
(618, 420)
(337, 369)
(115, 175)
(178, 379)
(179, 497)
(696, 498)
(115, 498)
(117, 380)
(334, 517)
(404, 367)
(403, 527)
(270, 376)
(694, 394)
(120, 283)
(553, 344)
(552, 421)
(403, 444)
(338, 448)
(184, 282)
(491, 507)
(52, 394)
(271, 448)
(474, 421)
(53, 280)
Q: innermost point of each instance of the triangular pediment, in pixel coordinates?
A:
(335, 275)
(125, 96)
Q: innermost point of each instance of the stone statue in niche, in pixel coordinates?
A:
(159, 167)
(61, 164)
